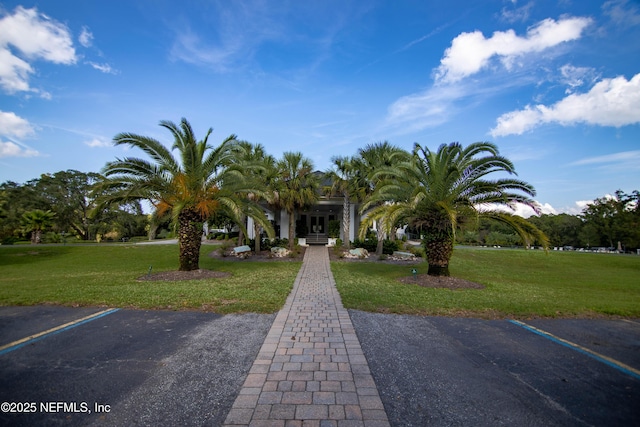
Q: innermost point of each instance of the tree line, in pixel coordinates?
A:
(445, 196)
(63, 205)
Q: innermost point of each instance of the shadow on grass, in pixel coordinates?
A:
(32, 254)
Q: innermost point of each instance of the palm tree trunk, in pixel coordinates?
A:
(189, 239)
(292, 229)
(241, 238)
(153, 229)
(346, 220)
(438, 247)
(258, 238)
(380, 245)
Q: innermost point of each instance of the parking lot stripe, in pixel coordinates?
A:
(599, 357)
(37, 337)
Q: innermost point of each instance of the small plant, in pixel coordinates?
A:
(333, 228)
(417, 251)
(337, 248)
(224, 248)
(383, 257)
(282, 243)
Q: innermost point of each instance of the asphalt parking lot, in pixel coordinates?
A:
(132, 367)
(438, 371)
(128, 367)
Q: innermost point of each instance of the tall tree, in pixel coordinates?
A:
(347, 180)
(259, 168)
(192, 187)
(562, 229)
(436, 190)
(16, 199)
(69, 195)
(613, 219)
(376, 161)
(297, 187)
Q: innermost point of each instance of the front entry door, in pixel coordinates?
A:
(317, 225)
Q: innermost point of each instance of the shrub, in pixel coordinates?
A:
(368, 244)
(9, 240)
(52, 237)
(283, 243)
(224, 248)
(416, 250)
(333, 228)
(388, 246)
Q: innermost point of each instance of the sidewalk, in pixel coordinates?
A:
(310, 370)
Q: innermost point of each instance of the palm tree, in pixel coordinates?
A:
(193, 187)
(375, 161)
(348, 181)
(259, 167)
(297, 187)
(35, 222)
(438, 190)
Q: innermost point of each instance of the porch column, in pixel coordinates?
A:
(352, 222)
(251, 232)
(284, 224)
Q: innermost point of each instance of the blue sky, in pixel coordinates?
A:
(555, 84)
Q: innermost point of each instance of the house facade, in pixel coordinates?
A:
(312, 224)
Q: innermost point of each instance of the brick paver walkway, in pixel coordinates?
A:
(310, 370)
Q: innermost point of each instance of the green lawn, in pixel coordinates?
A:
(106, 275)
(517, 283)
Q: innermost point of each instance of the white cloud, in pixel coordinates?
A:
(626, 160)
(622, 13)
(105, 68)
(610, 158)
(429, 108)
(518, 13)
(11, 149)
(582, 204)
(98, 142)
(521, 209)
(86, 37)
(471, 52)
(35, 36)
(611, 102)
(225, 48)
(12, 125)
(576, 76)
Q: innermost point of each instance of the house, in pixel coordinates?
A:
(312, 224)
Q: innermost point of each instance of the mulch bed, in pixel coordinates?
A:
(374, 258)
(427, 281)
